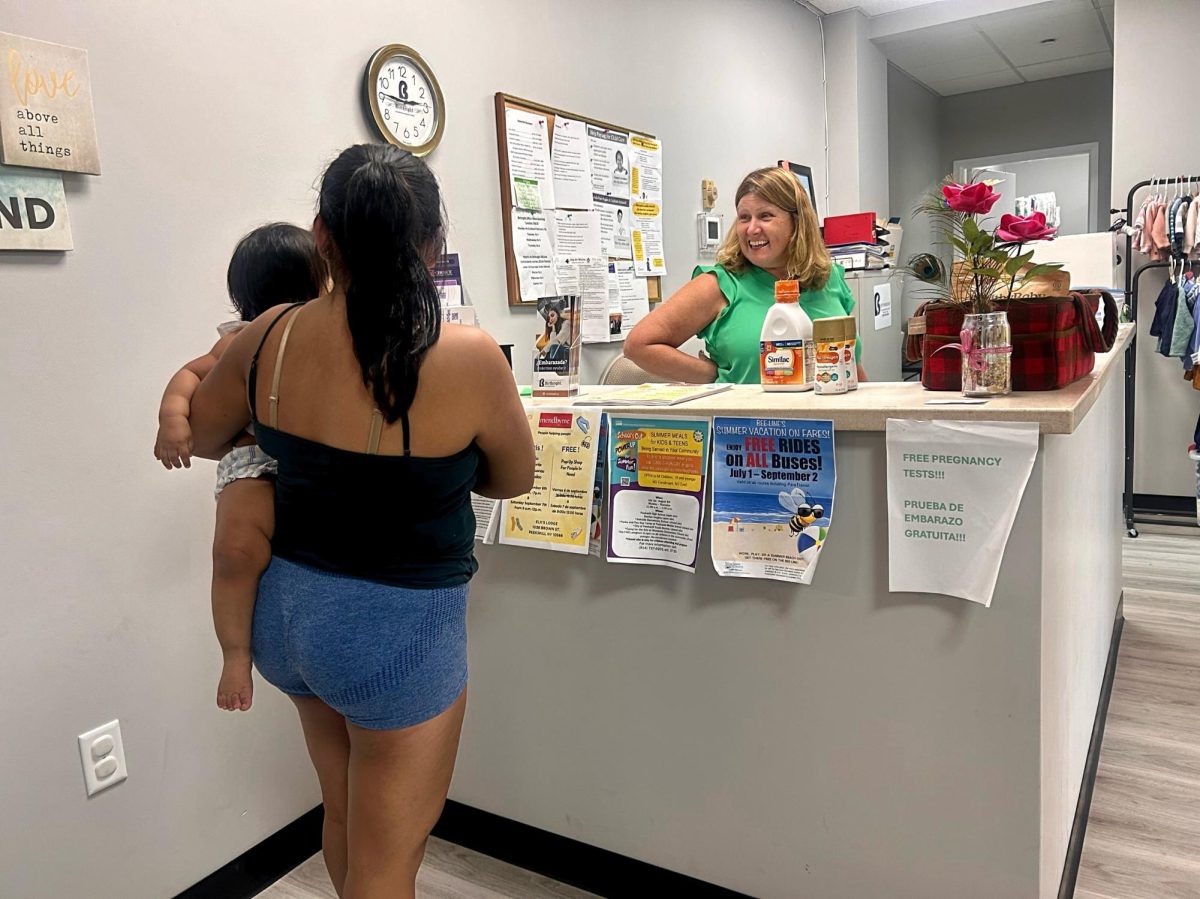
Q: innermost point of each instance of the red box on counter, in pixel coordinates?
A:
(858, 227)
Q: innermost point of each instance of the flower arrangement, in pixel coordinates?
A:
(995, 264)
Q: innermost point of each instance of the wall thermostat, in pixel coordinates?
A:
(709, 229)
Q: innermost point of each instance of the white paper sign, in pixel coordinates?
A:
(634, 298)
(609, 156)
(883, 306)
(616, 225)
(529, 158)
(953, 492)
(587, 278)
(487, 517)
(534, 254)
(569, 159)
(576, 233)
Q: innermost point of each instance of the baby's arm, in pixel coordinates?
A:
(173, 445)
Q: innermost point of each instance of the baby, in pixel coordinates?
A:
(274, 264)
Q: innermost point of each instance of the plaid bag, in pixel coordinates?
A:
(1055, 340)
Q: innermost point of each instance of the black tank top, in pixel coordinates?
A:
(402, 520)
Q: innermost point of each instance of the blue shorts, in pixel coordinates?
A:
(382, 656)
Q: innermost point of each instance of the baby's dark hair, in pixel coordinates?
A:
(273, 264)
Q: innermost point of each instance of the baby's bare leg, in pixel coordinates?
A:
(241, 553)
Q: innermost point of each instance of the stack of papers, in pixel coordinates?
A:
(652, 395)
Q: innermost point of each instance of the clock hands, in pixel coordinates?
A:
(397, 100)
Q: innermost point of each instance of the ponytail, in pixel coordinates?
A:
(383, 210)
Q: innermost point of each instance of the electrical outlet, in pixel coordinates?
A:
(103, 757)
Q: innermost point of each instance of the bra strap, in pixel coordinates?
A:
(376, 431)
(252, 376)
(273, 396)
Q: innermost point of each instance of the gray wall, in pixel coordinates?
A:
(1058, 112)
(858, 117)
(1166, 405)
(915, 166)
(214, 117)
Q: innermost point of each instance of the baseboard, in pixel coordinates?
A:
(1066, 887)
(1161, 504)
(259, 867)
(559, 858)
(565, 860)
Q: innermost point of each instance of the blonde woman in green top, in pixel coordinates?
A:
(776, 236)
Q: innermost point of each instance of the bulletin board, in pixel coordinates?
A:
(504, 103)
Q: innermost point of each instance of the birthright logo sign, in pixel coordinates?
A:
(953, 492)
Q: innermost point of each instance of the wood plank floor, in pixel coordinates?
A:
(449, 872)
(1143, 834)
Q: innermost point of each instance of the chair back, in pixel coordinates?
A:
(625, 371)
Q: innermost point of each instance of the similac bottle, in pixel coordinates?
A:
(785, 353)
(850, 335)
(829, 336)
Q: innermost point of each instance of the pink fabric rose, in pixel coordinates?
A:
(973, 199)
(1024, 228)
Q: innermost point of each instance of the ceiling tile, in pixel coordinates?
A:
(868, 7)
(946, 70)
(940, 43)
(1076, 33)
(974, 83)
(1093, 62)
(1047, 9)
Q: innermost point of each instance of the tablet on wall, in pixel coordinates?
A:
(803, 174)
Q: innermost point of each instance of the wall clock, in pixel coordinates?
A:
(404, 99)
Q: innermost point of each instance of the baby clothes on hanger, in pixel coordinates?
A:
(1189, 229)
(1158, 231)
(1138, 228)
(1164, 315)
(1184, 324)
(1177, 224)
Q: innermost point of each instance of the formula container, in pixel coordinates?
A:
(850, 336)
(829, 336)
(785, 350)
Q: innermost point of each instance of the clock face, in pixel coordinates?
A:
(404, 99)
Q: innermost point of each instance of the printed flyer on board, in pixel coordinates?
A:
(773, 488)
(556, 514)
(656, 475)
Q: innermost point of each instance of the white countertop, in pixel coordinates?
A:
(869, 408)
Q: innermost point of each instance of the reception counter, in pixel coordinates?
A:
(832, 740)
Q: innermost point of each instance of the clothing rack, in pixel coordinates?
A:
(1135, 514)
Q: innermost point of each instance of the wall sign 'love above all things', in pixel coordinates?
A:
(46, 115)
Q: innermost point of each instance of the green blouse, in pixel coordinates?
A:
(732, 338)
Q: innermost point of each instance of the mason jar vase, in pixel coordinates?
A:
(987, 367)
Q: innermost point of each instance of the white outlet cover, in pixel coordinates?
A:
(100, 773)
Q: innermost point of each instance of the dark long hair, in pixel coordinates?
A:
(273, 264)
(383, 210)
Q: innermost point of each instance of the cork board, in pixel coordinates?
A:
(505, 102)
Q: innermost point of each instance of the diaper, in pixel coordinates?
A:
(244, 462)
